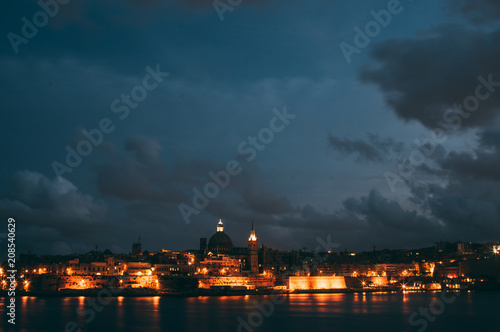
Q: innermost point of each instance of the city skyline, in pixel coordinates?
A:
(326, 245)
(218, 267)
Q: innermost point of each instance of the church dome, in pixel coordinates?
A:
(220, 242)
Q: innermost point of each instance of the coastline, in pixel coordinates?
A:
(220, 293)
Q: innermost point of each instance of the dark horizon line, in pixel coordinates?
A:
(298, 250)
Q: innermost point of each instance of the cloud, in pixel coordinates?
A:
(366, 220)
(464, 194)
(378, 211)
(423, 77)
(490, 138)
(477, 11)
(138, 177)
(482, 163)
(252, 195)
(36, 192)
(52, 214)
(469, 208)
(254, 186)
(372, 150)
(59, 213)
(147, 150)
(144, 179)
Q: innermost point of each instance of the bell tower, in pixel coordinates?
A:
(253, 252)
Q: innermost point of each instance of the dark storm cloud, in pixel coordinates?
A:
(340, 220)
(464, 194)
(52, 214)
(147, 150)
(425, 76)
(469, 208)
(477, 11)
(141, 176)
(251, 195)
(483, 163)
(371, 219)
(371, 212)
(152, 211)
(373, 150)
(68, 218)
(258, 195)
(490, 138)
(38, 193)
(379, 211)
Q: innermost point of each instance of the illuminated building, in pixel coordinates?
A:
(138, 268)
(109, 267)
(220, 264)
(173, 269)
(253, 256)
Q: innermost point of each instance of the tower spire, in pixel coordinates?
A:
(252, 234)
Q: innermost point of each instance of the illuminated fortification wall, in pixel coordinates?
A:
(305, 283)
(223, 281)
(249, 282)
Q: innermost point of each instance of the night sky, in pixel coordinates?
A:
(388, 137)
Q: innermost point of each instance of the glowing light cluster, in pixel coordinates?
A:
(312, 283)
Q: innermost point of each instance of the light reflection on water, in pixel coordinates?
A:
(299, 312)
